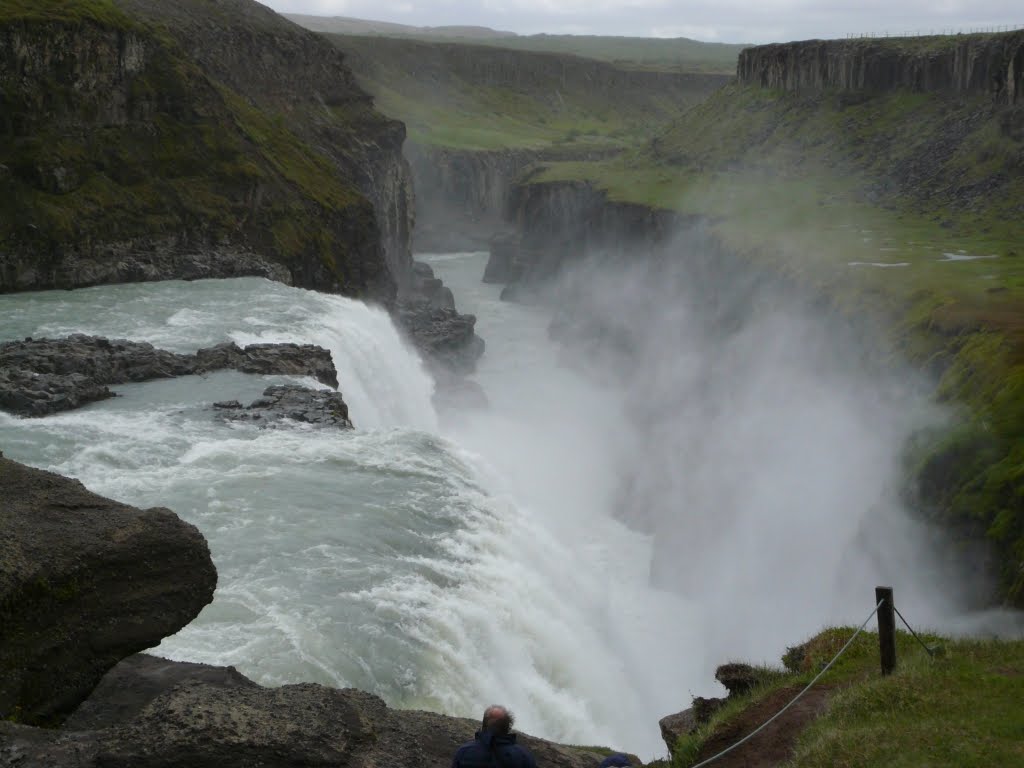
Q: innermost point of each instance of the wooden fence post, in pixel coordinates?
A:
(886, 628)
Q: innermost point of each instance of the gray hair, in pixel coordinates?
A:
(498, 719)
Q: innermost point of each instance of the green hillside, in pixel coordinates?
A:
(477, 97)
(676, 54)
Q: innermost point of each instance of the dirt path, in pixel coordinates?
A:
(774, 744)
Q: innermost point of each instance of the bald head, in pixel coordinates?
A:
(498, 719)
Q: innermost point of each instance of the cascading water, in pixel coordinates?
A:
(444, 567)
(449, 561)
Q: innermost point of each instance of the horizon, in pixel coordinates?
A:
(725, 21)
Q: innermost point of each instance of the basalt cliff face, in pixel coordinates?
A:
(967, 65)
(465, 196)
(147, 140)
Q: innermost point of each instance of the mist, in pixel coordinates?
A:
(758, 438)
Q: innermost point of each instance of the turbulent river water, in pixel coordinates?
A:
(449, 560)
(441, 560)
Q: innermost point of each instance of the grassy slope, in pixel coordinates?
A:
(823, 190)
(445, 101)
(194, 165)
(957, 709)
(677, 54)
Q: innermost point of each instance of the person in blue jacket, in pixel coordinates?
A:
(494, 745)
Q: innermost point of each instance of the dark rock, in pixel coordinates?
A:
(195, 716)
(444, 336)
(227, 404)
(280, 359)
(323, 407)
(704, 709)
(737, 678)
(134, 682)
(426, 287)
(84, 582)
(987, 65)
(675, 726)
(44, 376)
(503, 264)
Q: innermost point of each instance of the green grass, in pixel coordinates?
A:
(678, 54)
(472, 97)
(960, 707)
(101, 11)
(961, 710)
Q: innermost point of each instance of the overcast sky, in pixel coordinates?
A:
(712, 20)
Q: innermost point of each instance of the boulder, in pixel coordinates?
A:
(154, 713)
(43, 376)
(675, 726)
(323, 407)
(85, 582)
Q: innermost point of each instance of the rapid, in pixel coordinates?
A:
(442, 561)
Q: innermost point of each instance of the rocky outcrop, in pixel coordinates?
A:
(154, 713)
(446, 338)
(230, 141)
(991, 65)
(44, 376)
(319, 407)
(84, 582)
(141, 260)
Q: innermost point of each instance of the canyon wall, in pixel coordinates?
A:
(965, 64)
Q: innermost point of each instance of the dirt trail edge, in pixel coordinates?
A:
(773, 745)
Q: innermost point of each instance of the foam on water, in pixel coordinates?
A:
(441, 566)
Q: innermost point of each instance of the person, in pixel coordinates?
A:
(494, 745)
(617, 760)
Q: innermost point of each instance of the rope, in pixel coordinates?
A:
(768, 722)
(931, 651)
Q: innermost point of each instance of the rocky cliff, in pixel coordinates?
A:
(965, 64)
(146, 140)
(480, 115)
(463, 196)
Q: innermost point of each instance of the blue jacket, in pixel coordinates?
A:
(490, 750)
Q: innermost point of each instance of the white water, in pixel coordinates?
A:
(449, 561)
(441, 565)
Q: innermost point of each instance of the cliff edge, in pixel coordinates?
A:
(961, 64)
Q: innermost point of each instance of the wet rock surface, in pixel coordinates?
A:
(43, 376)
(154, 713)
(84, 582)
(290, 402)
(445, 337)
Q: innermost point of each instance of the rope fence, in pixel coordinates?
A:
(930, 650)
(887, 644)
(796, 698)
